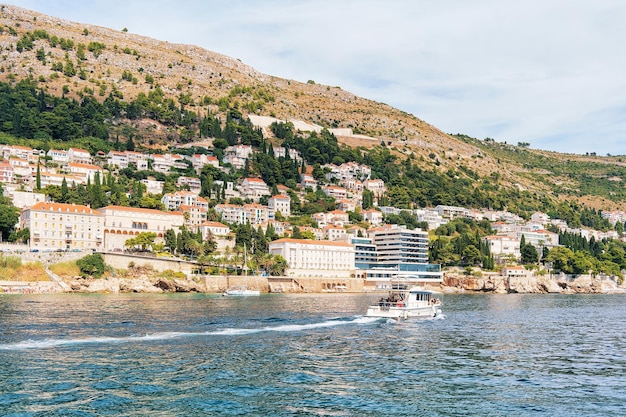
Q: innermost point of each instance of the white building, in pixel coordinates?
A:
(77, 155)
(55, 226)
(217, 229)
(153, 186)
(377, 187)
(452, 212)
(195, 185)
(86, 171)
(7, 173)
(254, 188)
(338, 193)
(373, 217)
(123, 223)
(173, 201)
(401, 254)
(503, 246)
(281, 203)
(334, 233)
(23, 199)
(431, 217)
(315, 258)
(58, 156)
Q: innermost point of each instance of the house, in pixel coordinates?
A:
(254, 188)
(210, 228)
(86, 171)
(153, 186)
(280, 203)
(194, 216)
(194, 184)
(334, 233)
(338, 193)
(307, 181)
(346, 205)
(514, 272)
(503, 246)
(6, 172)
(173, 201)
(373, 217)
(231, 213)
(57, 155)
(377, 186)
(77, 155)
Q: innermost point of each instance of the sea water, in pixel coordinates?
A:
(310, 355)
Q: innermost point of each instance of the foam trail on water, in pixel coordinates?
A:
(52, 343)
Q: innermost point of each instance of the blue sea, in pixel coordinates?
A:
(310, 355)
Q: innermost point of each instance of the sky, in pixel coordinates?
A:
(551, 73)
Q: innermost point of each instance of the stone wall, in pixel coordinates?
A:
(122, 260)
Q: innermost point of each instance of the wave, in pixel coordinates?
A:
(52, 343)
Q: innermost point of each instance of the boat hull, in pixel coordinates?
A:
(242, 293)
(403, 313)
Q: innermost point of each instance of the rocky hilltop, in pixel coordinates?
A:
(78, 59)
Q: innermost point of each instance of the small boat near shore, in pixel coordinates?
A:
(405, 302)
(241, 291)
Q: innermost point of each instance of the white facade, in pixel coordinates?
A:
(23, 199)
(315, 258)
(214, 229)
(503, 246)
(123, 223)
(172, 201)
(280, 203)
(153, 186)
(254, 188)
(86, 171)
(55, 226)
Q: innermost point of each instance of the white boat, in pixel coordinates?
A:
(407, 303)
(241, 291)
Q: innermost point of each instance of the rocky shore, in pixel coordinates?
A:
(536, 284)
(453, 283)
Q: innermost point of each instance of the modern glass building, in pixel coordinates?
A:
(395, 253)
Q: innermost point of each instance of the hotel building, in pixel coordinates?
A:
(123, 223)
(315, 258)
(55, 226)
(401, 254)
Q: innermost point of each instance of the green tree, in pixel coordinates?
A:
(278, 266)
(471, 255)
(9, 215)
(170, 240)
(91, 265)
(143, 239)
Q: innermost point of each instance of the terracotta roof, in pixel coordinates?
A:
(214, 224)
(63, 208)
(86, 166)
(136, 210)
(312, 242)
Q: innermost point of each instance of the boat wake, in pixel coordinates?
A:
(52, 343)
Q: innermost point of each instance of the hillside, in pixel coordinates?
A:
(79, 60)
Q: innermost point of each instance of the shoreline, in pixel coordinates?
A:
(452, 284)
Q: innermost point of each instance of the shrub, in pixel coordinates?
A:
(92, 265)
